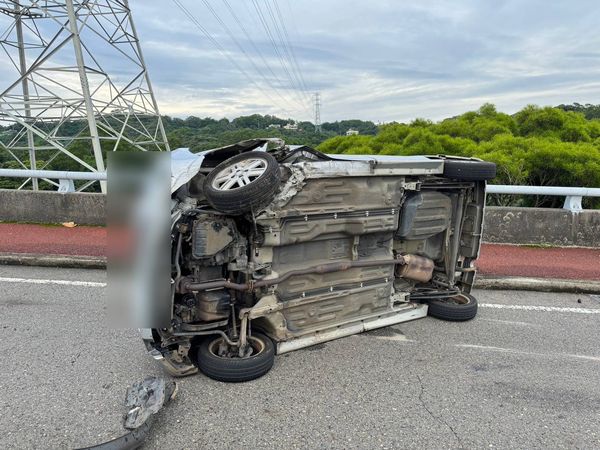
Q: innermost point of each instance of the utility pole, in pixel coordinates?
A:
(77, 86)
(317, 112)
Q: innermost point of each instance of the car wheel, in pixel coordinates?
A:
(243, 183)
(469, 170)
(458, 308)
(228, 366)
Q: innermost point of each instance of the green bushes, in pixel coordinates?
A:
(536, 146)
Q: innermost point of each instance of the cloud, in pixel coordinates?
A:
(396, 61)
(382, 61)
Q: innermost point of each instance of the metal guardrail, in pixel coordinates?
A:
(65, 178)
(573, 195)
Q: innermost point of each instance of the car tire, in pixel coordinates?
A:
(243, 183)
(469, 170)
(456, 309)
(235, 369)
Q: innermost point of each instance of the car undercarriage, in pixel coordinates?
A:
(276, 248)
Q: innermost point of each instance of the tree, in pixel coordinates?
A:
(536, 146)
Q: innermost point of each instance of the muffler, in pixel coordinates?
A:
(415, 267)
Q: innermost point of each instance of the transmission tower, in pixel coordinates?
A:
(317, 112)
(73, 85)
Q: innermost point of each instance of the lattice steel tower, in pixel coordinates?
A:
(75, 85)
(317, 112)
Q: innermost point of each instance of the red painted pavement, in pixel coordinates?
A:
(52, 240)
(559, 262)
(496, 259)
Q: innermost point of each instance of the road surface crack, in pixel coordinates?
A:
(438, 419)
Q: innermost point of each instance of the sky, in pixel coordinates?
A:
(382, 61)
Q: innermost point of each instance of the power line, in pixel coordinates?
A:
(223, 52)
(296, 34)
(243, 50)
(288, 54)
(275, 47)
(241, 25)
(290, 46)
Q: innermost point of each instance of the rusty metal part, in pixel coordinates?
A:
(415, 267)
(207, 333)
(243, 334)
(320, 269)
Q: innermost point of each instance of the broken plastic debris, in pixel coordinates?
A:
(144, 399)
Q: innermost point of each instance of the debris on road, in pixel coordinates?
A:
(144, 400)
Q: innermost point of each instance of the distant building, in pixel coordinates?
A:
(351, 132)
(291, 126)
(274, 125)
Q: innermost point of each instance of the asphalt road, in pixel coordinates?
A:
(521, 378)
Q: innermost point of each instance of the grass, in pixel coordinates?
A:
(539, 245)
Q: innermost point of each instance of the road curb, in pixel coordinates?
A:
(62, 261)
(492, 282)
(537, 284)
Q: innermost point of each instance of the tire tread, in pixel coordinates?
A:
(469, 170)
(453, 312)
(255, 195)
(236, 370)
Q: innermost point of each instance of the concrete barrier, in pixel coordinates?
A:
(52, 207)
(502, 224)
(550, 226)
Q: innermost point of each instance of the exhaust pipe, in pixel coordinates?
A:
(415, 267)
(410, 266)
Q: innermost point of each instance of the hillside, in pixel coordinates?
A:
(202, 134)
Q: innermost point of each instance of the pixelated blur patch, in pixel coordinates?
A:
(139, 255)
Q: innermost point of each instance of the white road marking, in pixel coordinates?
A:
(59, 282)
(510, 322)
(541, 308)
(395, 337)
(521, 352)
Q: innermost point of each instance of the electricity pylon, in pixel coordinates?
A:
(76, 85)
(317, 112)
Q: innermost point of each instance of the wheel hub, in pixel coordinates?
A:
(240, 174)
(220, 348)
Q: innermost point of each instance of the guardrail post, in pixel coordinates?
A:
(573, 203)
(66, 186)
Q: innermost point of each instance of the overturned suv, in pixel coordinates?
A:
(277, 247)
